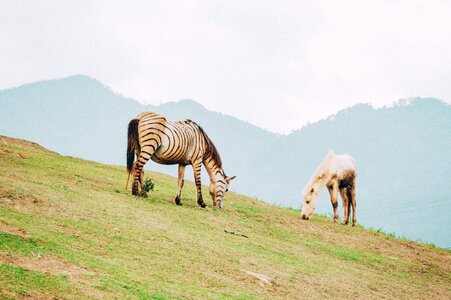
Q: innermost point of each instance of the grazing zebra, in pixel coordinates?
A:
(184, 143)
(337, 173)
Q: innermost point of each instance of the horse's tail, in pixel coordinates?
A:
(132, 146)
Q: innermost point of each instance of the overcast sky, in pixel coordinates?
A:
(276, 64)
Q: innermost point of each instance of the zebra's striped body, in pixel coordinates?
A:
(151, 136)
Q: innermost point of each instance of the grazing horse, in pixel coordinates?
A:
(338, 174)
(184, 143)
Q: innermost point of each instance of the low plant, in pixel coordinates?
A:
(148, 185)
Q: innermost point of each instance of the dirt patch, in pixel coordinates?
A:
(46, 263)
(33, 296)
(14, 230)
(4, 140)
(11, 196)
(18, 201)
(56, 266)
(7, 152)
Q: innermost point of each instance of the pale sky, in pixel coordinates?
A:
(276, 64)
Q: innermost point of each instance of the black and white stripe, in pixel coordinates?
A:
(151, 136)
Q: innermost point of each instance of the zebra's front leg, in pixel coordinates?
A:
(180, 183)
(197, 168)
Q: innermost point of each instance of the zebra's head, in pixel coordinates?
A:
(219, 188)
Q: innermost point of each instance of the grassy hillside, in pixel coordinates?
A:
(67, 228)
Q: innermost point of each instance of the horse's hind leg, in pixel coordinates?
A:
(346, 205)
(352, 199)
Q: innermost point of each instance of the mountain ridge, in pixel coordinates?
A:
(396, 145)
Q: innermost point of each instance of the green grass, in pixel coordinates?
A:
(77, 216)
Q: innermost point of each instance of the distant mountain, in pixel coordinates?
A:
(402, 151)
(79, 116)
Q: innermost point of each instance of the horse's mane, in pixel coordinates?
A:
(319, 174)
(211, 148)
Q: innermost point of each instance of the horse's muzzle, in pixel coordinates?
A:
(304, 217)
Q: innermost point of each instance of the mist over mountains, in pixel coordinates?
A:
(402, 151)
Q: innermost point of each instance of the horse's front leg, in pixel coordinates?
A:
(333, 191)
(197, 168)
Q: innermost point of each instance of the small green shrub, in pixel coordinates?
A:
(148, 185)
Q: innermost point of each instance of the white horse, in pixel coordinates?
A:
(337, 173)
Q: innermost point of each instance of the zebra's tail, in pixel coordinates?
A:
(132, 146)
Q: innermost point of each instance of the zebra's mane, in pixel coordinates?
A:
(211, 148)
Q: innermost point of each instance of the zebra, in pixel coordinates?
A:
(151, 136)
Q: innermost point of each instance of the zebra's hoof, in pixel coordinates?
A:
(203, 205)
(143, 194)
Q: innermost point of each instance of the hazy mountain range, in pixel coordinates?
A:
(402, 151)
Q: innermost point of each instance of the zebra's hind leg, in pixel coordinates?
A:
(141, 181)
(138, 176)
(180, 183)
(135, 179)
(196, 168)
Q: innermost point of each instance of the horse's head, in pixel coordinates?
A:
(309, 196)
(219, 188)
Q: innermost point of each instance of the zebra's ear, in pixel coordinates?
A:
(230, 178)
